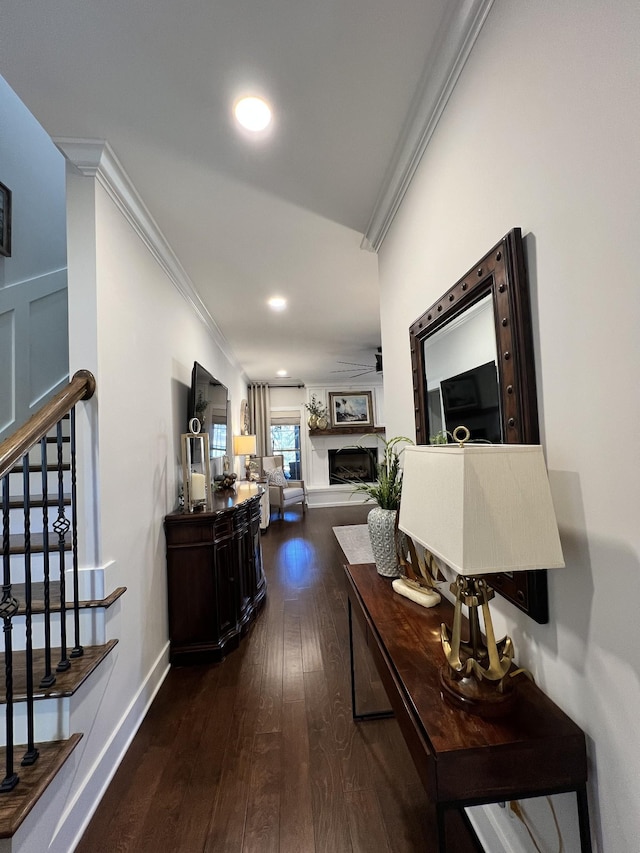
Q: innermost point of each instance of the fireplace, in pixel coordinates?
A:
(352, 465)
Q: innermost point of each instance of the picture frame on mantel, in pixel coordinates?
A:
(5, 221)
(351, 408)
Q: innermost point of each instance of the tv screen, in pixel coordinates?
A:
(471, 399)
(208, 403)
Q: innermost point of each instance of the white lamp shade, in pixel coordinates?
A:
(244, 445)
(481, 508)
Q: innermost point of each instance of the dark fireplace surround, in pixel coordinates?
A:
(352, 465)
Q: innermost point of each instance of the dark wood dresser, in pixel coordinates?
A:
(216, 582)
(462, 759)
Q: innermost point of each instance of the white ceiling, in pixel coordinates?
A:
(251, 218)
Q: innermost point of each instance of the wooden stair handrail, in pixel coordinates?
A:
(13, 448)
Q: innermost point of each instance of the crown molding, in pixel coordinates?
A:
(94, 158)
(436, 85)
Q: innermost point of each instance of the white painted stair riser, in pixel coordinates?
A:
(36, 516)
(17, 563)
(92, 629)
(37, 567)
(51, 722)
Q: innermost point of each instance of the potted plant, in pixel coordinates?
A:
(317, 413)
(200, 409)
(386, 491)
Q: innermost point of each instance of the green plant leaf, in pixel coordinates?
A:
(386, 491)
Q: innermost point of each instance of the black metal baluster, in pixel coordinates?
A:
(8, 609)
(48, 678)
(77, 651)
(61, 527)
(31, 755)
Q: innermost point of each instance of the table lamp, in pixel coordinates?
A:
(481, 509)
(245, 445)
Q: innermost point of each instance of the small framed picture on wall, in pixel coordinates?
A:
(5, 221)
(351, 408)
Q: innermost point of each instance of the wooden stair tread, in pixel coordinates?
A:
(34, 780)
(36, 501)
(66, 683)
(16, 543)
(37, 597)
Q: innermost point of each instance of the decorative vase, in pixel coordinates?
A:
(381, 523)
(313, 421)
(322, 422)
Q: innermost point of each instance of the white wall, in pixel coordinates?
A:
(33, 281)
(542, 132)
(131, 326)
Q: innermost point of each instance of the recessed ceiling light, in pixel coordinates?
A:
(253, 113)
(277, 303)
(282, 373)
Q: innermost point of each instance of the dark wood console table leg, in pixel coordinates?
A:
(441, 828)
(583, 819)
(373, 715)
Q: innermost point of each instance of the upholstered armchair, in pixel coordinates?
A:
(282, 492)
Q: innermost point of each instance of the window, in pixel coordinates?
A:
(218, 438)
(285, 440)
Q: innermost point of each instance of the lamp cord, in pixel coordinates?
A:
(518, 811)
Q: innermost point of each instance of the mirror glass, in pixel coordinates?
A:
(461, 375)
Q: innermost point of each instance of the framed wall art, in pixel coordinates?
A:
(351, 408)
(5, 221)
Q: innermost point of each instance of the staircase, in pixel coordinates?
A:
(54, 631)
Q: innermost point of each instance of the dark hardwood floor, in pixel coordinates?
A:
(259, 753)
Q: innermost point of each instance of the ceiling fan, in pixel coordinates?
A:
(356, 368)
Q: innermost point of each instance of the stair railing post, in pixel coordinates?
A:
(8, 609)
(48, 679)
(61, 527)
(31, 754)
(77, 650)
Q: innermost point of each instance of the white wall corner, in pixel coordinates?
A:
(95, 158)
(439, 78)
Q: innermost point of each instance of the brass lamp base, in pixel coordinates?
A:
(476, 676)
(482, 698)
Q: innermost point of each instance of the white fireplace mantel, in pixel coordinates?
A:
(316, 467)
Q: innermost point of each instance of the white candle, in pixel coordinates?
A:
(197, 487)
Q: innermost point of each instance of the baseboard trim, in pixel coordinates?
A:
(490, 833)
(327, 496)
(77, 815)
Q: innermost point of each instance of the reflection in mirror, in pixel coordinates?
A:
(461, 363)
(472, 361)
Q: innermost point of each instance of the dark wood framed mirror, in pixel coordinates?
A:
(473, 364)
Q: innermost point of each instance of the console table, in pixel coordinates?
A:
(462, 760)
(216, 583)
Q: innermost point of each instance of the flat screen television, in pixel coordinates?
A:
(208, 401)
(471, 399)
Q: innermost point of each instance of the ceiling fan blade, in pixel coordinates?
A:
(355, 363)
